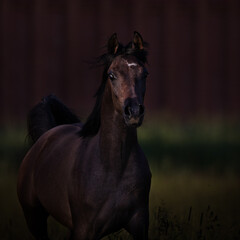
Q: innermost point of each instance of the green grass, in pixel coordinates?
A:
(183, 205)
(195, 202)
(195, 185)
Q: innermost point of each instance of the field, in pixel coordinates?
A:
(195, 191)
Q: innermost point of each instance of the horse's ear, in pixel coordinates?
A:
(113, 44)
(137, 42)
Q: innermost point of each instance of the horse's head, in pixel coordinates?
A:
(127, 78)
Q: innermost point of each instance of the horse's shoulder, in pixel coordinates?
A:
(63, 130)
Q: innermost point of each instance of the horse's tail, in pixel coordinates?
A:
(49, 113)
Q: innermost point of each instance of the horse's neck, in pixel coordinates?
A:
(116, 140)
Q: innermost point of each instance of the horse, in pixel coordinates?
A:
(92, 178)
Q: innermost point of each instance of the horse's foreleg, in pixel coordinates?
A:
(36, 218)
(82, 233)
(138, 225)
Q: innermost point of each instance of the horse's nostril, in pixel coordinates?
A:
(127, 111)
(134, 111)
(141, 109)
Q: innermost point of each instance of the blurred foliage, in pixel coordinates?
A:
(13, 144)
(199, 144)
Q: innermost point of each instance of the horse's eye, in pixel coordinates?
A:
(111, 76)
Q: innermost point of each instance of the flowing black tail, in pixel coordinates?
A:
(49, 113)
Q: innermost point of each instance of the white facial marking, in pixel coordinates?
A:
(131, 64)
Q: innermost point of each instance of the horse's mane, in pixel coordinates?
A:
(93, 123)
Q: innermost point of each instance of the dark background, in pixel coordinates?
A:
(194, 53)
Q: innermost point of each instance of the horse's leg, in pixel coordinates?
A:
(80, 235)
(83, 232)
(138, 225)
(36, 218)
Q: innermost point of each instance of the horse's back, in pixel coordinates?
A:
(46, 170)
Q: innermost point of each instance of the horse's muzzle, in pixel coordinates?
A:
(133, 114)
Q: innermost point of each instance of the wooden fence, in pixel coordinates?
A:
(194, 53)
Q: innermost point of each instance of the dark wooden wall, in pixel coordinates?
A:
(194, 53)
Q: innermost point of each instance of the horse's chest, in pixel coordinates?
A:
(123, 200)
(113, 195)
(126, 199)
